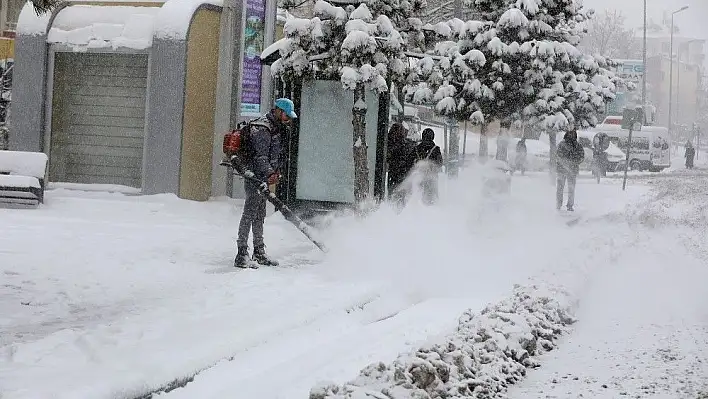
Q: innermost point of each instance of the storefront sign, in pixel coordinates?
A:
(254, 34)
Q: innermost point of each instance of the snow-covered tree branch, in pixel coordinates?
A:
(363, 46)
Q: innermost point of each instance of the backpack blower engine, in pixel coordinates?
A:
(234, 147)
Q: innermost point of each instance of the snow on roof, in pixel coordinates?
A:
(175, 16)
(31, 24)
(86, 26)
(170, 21)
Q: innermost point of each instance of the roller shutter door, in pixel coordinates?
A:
(99, 118)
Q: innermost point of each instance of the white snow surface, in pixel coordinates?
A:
(18, 181)
(83, 27)
(31, 24)
(128, 293)
(169, 21)
(513, 18)
(643, 319)
(175, 16)
(24, 163)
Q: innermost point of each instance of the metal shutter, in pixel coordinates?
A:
(99, 133)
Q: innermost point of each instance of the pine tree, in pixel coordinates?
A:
(360, 45)
(529, 69)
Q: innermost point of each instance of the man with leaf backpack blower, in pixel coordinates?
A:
(258, 147)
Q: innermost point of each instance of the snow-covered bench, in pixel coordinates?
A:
(22, 177)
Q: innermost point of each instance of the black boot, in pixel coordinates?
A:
(243, 261)
(260, 256)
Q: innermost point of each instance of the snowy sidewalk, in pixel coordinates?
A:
(107, 296)
(643, 329)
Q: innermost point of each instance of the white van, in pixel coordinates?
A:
(650, 146)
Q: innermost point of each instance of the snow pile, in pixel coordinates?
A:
(488, 352)
(31, 24)
(676, 202)
(83, 27)
(175, 16)
(18, 181)
(23, 163)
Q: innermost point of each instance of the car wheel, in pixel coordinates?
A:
(635, 164)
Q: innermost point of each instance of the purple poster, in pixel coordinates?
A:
(252, 49)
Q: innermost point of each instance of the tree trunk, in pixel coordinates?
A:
(502, 145)
(552, 155)
(454, 152)
(483, 145)
(401, 98)
(361, 168)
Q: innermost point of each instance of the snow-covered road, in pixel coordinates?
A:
(643, 321)
(112, 296)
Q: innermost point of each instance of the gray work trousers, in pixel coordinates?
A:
(253, 217)
(560, 187)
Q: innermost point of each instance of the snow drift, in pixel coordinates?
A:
(489, 351)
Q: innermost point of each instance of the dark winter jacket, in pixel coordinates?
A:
(264, 147)
(570, 155)
(690, 152)
(401, 159)
(521, 148)
(428, 150)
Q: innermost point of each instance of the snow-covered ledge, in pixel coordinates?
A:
(84, 27)
(175, 17)
(31, 24)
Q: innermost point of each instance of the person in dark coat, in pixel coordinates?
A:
(689, 155)
(521, 153)
(263, 159)
(430, 161)
(401, 159)
(570, 155)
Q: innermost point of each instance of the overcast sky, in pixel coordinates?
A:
(692, 22)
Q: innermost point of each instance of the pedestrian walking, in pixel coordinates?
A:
(570, 155)
(520, 159)
(429, 162)
(689, 155)
(401, 159)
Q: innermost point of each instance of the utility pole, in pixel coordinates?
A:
(678, 85)
(633, 121)
(644, 61)
(671, 70)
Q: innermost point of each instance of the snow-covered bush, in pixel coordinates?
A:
(489, 351)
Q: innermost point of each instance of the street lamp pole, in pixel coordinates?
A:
(644, 62)
(671, 69)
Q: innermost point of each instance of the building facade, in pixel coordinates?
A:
(685, 84)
